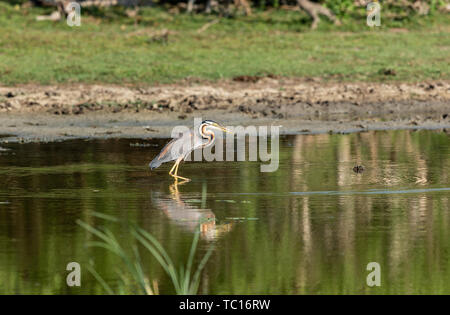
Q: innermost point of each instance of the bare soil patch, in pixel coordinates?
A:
(35, 112)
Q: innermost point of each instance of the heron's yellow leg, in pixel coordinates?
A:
(175, 174)
(173, 167)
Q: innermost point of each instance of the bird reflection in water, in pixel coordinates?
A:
(189, 216)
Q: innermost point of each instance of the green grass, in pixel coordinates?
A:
(111, 48)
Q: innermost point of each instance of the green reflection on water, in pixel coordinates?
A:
(311, 227)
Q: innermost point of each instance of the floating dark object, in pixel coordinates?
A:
(358, 169)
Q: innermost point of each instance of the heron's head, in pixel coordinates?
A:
(214, 125)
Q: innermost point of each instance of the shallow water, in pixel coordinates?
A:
(311, 227)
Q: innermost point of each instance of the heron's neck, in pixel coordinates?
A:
(207, 135)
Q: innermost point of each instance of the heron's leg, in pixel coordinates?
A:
(176, 168)
(173, 167)
(180, 177)
(177, 164)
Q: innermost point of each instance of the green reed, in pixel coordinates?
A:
(185, 278)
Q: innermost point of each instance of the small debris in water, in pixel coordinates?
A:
(4, 202)
(241, 219)
(358, 169)
(4, 149)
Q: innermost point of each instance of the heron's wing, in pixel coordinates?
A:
(176, 148)
(197, 143)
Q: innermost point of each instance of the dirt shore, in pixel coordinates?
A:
(51, 113)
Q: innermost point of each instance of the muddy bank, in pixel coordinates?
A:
(36, 113)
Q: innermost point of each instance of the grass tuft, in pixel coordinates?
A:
(185, 278)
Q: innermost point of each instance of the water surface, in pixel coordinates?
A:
(311, 227)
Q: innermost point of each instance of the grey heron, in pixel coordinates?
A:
(179, 148)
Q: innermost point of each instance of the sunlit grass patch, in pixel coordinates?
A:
(112, 48)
